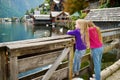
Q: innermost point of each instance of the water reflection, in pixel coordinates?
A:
(42, 31)
(21, 31)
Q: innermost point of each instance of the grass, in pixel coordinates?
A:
(108, 59)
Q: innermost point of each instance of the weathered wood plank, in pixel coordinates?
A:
(62, 74)
(56, 64)
(110, 30)
(57, 75)
(114, 76)
(109, 70)
(29, 63)
(110, 38)
(21, 46)
(32, 48)
(111, 46)
(83, 71)
(13, 68)
(36, 40)
(41, 73)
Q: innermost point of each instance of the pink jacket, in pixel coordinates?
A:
(94, 38)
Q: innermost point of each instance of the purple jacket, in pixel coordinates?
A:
(79, 43)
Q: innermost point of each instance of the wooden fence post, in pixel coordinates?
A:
(13, 68)
(91, 67)
(3, 75)
(71, 62)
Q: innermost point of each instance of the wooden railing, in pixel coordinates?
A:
(21, 56)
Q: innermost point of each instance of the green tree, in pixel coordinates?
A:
(48, 1)
(32, 10)
(110, 3)
(72, 6)
(27, 12)
(82, 16)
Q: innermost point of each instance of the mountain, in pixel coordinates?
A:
(17, 8)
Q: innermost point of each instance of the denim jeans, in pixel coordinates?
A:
(97, 57)
(77, 60)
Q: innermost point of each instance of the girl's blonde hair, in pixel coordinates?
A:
(84, 30)
(82, 24)
(91, 24)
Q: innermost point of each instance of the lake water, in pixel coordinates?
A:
(22, 31)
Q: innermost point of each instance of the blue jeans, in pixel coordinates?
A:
(97, 57)
(77, 60)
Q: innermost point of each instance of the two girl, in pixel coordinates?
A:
(87, 35)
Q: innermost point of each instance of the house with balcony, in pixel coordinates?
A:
(60, 17)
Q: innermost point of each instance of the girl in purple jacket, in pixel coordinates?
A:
(80, 43)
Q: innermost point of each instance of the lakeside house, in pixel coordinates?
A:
(59, 17)
(105, 18)
(42, 20)
(13, 19)
(55, 17)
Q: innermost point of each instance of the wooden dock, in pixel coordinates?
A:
(22, 56)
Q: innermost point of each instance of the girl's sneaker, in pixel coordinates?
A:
(93, 75)
(77, 79)
(92, 78)
(73, 75)
(77, 74)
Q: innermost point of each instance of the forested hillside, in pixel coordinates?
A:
(17, 8)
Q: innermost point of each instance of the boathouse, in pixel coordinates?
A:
(42, 20)
(105, 18)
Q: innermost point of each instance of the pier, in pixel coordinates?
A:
(57, 52)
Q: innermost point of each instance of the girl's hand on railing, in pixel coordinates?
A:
(68, 30)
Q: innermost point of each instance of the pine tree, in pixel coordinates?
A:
(72, 6)
(27, 12)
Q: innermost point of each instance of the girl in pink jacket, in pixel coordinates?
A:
(96, 46)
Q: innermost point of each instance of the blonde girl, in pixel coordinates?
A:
(80, 45)
(96, 45)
